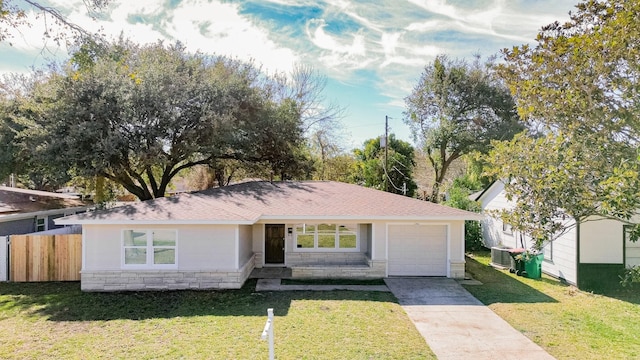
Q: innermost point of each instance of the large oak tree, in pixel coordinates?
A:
(138, 115)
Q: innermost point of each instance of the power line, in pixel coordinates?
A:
(386, 161)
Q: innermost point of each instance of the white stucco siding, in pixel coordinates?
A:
(288, 239)
(258, 238)
(364, 231)
(379, 240)
(199, 247)
(456, 241)
(207, 247)
(102, 247)
(245, 243)
(601, 242)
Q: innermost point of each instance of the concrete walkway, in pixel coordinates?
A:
(276, 285)
(456, 325)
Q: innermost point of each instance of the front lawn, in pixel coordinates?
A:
(568, 323)
(57, 320)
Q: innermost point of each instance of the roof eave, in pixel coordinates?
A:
(26, 215)
(62, 221)
(470, 216)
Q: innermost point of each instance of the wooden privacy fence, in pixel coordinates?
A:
(45, 257)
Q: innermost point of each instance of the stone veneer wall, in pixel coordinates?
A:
(371, 269)
(153, 280)
(259, 259)
(456, 269)
(320, 258)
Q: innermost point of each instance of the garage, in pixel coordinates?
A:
(417, 250)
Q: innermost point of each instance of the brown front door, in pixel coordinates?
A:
(274, 244)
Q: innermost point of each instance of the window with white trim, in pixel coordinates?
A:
(506, 228)
(149, 248)
(41, 223)
(326, 237)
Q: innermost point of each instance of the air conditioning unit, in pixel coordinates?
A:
(500, 257)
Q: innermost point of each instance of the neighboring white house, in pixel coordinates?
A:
(215, 238)
(590, 255)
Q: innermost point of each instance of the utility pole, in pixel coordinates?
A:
(386, 152)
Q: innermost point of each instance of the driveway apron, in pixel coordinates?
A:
(456, 325)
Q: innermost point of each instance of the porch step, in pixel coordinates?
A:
(275, 285)
(270, 273)
(331, 265)
(337, 271)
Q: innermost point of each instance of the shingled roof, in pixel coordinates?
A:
(18, 201)
(247, 203)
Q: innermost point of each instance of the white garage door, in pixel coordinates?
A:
(417, 250)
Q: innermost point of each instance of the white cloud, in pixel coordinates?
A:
(342, 53)
(218, 28)
(508, 20)
(210, 27)
(389, 41)
(317, 35)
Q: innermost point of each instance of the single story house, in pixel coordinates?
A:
(591, 255)
(215, 238)
(24, 211)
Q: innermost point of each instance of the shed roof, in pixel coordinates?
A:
(247, 203)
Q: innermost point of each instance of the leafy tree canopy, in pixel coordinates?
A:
(458, 108)
(394, 175)
(579, 88)
(138, 115)
(21, 154)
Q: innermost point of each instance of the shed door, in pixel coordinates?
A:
(417, 250)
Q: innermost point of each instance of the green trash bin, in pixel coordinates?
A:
(533, 266)
(517, 265)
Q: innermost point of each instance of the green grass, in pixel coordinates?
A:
(305, 241)
(567, 322)
(327, 240)
(58, 321)
(333, 282)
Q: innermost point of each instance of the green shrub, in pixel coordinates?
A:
(631, 276)
(458, 197)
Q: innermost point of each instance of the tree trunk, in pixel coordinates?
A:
(440, 175)
(100, 197)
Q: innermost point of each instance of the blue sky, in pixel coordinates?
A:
(372, 52)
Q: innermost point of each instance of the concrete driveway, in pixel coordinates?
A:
(456, 325)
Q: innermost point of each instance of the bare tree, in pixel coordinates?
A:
(306, 86)
(13, 15)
